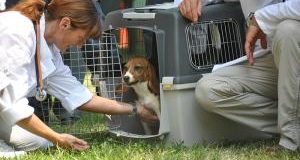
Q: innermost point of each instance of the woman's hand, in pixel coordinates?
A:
(146, 114)
(253, 34)
(34, 125)
(191, 9)
(71, 142)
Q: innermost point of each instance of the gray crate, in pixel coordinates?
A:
(182, 52)
(185, 121)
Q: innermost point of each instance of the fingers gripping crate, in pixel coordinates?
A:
(97, 66)
(181, 52)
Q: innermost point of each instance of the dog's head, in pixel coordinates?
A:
(139, 69)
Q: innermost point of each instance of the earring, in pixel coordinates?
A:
(66, 27)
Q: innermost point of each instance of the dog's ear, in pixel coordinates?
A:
(123, 64)
(124, 68)
(153, 83)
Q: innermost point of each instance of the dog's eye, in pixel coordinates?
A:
(138, 68)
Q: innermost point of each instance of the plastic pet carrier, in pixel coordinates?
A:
(181, 52)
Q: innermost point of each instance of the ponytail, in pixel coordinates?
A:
(33, 9)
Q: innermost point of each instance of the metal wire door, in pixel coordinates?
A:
(213, 42)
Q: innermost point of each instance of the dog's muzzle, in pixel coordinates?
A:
(126, 79)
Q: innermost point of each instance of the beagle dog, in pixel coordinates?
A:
(141, 76)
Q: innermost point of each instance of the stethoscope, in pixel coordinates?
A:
(41, 93)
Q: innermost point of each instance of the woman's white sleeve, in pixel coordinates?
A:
(13, 110)
(17, 48)
(13, 102)
(269, 17)
(65, 87)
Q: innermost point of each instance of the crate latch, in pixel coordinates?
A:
(168, 83)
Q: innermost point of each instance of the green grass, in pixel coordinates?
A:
(105, 147)
(88, 123)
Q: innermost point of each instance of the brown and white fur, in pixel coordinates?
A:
(140, 75)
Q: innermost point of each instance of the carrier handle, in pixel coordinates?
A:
(139, 16)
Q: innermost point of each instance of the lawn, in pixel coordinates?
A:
(107, 147)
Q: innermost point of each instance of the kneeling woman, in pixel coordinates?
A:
(62, 23)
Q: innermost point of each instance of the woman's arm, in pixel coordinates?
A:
(16, 111)
(104, 105)
(107, 106)
(34, 125)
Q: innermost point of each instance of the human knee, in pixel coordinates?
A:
(30, 144)
(286, 37)
(287, 29)
(204, 93)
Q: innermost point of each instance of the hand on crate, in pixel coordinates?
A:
(253, 34)
(191, 9)
(146, 114)
(71, 142)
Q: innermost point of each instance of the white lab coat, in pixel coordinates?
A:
(247, 5)
(269, 17)
(18, 74)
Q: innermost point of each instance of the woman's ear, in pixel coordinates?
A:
(65, 23)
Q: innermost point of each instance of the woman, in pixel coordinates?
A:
(65, 23)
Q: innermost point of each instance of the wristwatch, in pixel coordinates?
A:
(134, 110)
(251, 21)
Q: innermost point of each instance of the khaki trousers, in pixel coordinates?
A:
(20, 139)
(264, 96)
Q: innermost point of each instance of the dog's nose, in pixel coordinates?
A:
(126, 79)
